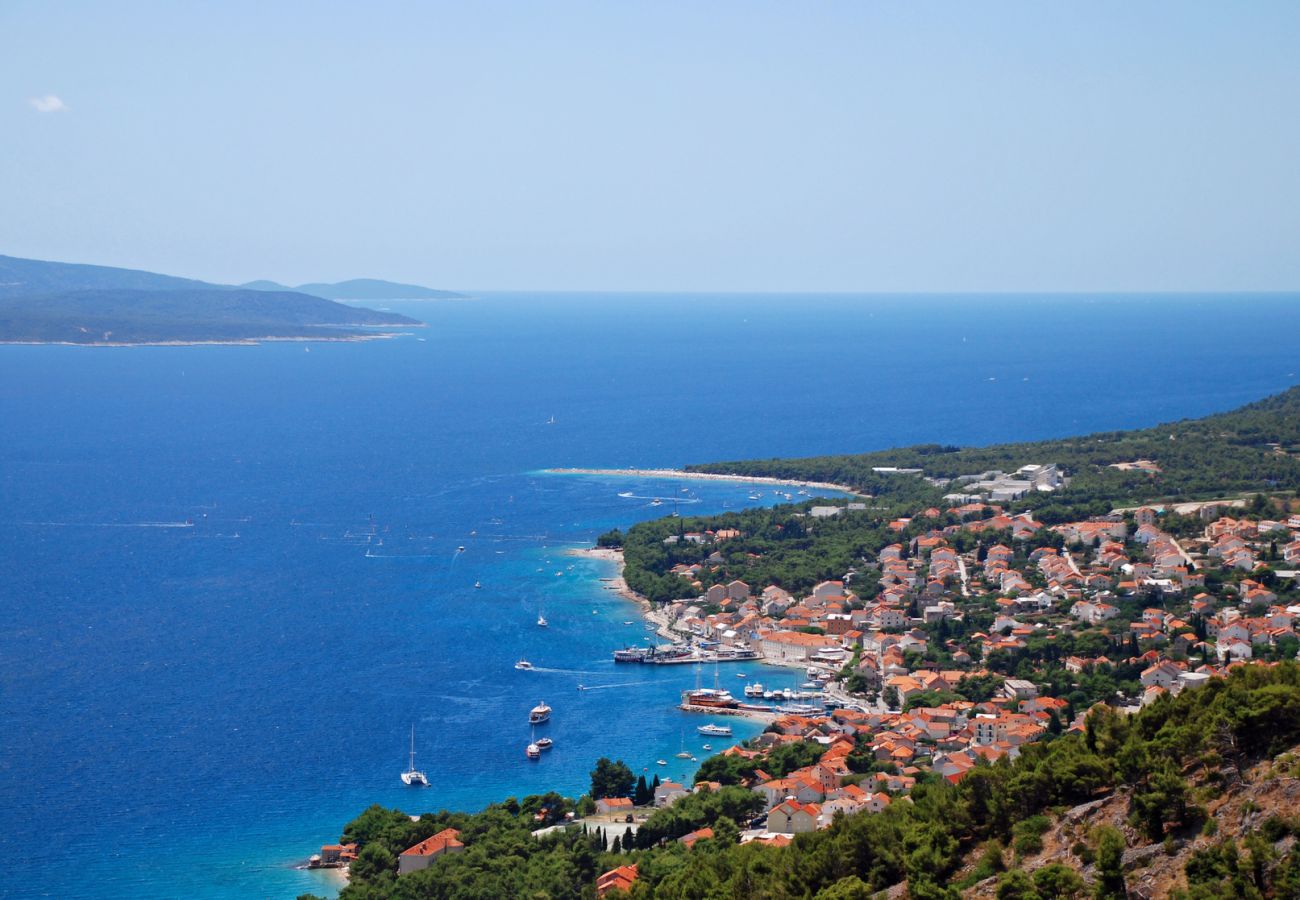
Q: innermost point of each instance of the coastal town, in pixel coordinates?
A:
(973, 633)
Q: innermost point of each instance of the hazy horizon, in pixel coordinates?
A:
(734, 147)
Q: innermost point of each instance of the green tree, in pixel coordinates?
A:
(1058, 880)
(611, 779)
(1110, 857)
(850, 887)
(1016, 885)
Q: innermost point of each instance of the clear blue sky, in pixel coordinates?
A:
(855, 146)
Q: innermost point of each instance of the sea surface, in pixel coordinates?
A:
(231, 579)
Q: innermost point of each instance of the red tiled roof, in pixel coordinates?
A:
(446, 839)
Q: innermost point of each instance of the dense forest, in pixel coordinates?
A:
(1166, 760)
(1254, 448)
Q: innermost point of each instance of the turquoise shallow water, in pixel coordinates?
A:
(188, 711)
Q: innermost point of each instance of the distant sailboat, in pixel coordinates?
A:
(551, 420)
(413, 776)
(541, 618)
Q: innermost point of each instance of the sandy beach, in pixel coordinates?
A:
(706, 476)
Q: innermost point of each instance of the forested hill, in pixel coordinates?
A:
(359, 289)
(54, 302)
(1254, 448)
(184, 315)
(38, 277)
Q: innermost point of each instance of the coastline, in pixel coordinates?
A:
(705, 476)
(618, 585)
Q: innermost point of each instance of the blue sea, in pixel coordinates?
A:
(193, 710)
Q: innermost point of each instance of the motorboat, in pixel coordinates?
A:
(713, 730)
(413, 777)
(706, 747)
(754, 690)
(523, 664)
(539, 713)
(532, 751)
(544, 743)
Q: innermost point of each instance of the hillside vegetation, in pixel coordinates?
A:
(1254, 448)
(47, 302)
(1161, 775)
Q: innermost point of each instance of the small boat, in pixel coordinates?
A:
(523, 664)
(740, 674)
(545, 743)
(715, 730)
(754, 690)
(706, 747)
(541, 621)
(478, 584)
(533, 751)
(656, 502)
(413, 777)
(460, 549)
(661, 762)
(685, 755)
(629, 623)
(539, 713)
(551, 420)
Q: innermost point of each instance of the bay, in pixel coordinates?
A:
(191, 710)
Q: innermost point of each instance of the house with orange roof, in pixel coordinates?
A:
(418, 857)
(793, 817)
(700, 834)
(621, 879)
(607, 805)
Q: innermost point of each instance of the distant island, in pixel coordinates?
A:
(359, 289)
(66, 303)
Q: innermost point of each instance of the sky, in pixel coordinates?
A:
(660, 146)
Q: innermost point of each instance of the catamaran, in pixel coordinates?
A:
(413, 776)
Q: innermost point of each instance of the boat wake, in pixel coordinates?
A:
(186, 524)
(605, 687)
(551, 671)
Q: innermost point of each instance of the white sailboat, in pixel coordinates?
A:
(413, 776)
(541, 618)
